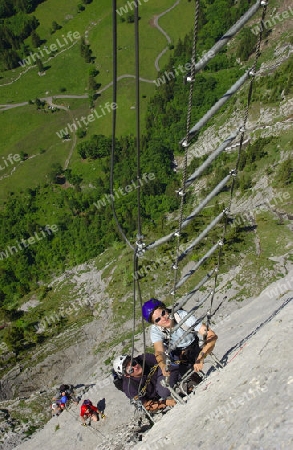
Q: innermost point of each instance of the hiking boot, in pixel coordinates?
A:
(193, 381)
(196, 378)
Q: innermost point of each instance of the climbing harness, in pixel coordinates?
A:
(148, 380)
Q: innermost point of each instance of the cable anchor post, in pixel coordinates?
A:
(180, 192)
(140, 246)
(226, 211)
(189, 79)
(185, 143)
(209, 316)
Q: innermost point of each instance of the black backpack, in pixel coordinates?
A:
(67, 388)
(64, 388)
(117, 380)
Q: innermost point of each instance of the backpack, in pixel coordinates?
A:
(117, 380)
(68, 388)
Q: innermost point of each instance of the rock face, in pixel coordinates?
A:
(65, 354)
(246, 405)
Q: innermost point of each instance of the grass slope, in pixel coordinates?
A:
(28, 130)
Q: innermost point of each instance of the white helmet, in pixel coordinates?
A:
(118, 364)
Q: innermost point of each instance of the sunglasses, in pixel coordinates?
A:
(129, 369)
(157, 320)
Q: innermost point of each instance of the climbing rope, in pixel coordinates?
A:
(137, 249)
(114, 115)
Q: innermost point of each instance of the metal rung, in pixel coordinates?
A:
(186, 377)
(216, 361)
(176, 397)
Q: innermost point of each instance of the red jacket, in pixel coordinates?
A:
(92, 409)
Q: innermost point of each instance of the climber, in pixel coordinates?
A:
(89, 412)
(188, 349)
(65, 390)
(68, 390)
(142, 380)
(59, 405)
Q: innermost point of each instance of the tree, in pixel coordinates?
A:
(246, 45)
(87, 54)
(6, 9)
(36, 40)
(130, 18)
(10, 59)
(39, 103)
(85, 50)
(80, 133)
(284, 174)
(55, 27)
(56, 170)
(82, 150)
(93, 72)
(92, 84)
(13, 337)
(23, 155)
(40, 65)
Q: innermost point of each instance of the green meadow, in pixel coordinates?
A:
(34, 132)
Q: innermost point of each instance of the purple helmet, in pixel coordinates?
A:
(149, 307)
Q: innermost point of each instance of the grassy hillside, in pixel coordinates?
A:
(67, 73)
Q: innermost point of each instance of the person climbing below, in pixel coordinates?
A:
(89, 411)
(56, 410)
(142, 380)
(185, 349)
(61, 401)
(59, 405)
(68, 390)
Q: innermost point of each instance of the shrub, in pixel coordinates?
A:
(284, 175)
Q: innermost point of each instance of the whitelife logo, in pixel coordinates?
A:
(24, 243)
(67, 40)
(279, 17)
(146, 177)
(9, 160)
(129, 6)
(108, 107)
